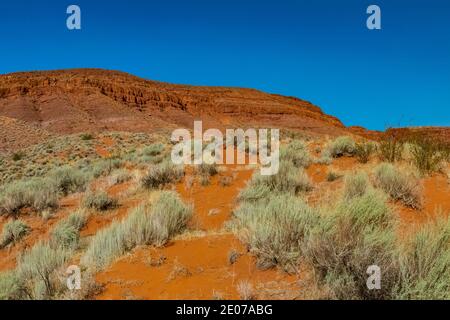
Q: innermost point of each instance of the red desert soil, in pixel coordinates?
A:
(40, 230)
(196, 266)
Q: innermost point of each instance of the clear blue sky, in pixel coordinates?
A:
(318, 50)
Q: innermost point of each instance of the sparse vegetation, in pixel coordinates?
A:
(399, 184)
(356, 185)
(147, 224)
(364, 151)
(341, 146)
(428, 154)
(333, 176)
(296, 153)
(391, 148)
(99, 200)
(67, 232)
(274, 229)
(13, 231)
(162, 174)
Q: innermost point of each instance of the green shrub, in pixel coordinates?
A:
(99, 200)
(297, 153)
(67, 232)
(11, 286)
(391, 149)
(341, 146)
(120, 176)
(274, 229)
(355, 185)
(399, 185)
(364, 150)
(37, 193)
(359, 233)
(17, 156)
(162, 174)
(153, 150)
(86, 136)
(425, 264)
(37, 266)
(145, 225)
(69, 180)
(428, 154)
(288, 179)
(13, 231)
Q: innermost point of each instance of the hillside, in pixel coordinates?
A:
(71, 101)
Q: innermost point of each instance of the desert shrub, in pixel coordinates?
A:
(288, 179)
(208, 170)
(254, 192)
(120, 176)
(99, 200)
(364, 150)
(153, 149)
(325, 159)
(162, 174)
(399, 185)
(391, 149)
(341, 146)
(333, 176)
(69, 180)
(297, 153)
(36, 193)
(13, 231)
(428, 154)
(274, 229)
(67, 232)
(11, 286)
(37, 266)
(357, 234)
(425, 263)
(147, 224)
(355, 185)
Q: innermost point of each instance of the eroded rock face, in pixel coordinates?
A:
(78, 100)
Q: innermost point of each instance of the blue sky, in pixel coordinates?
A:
(318, 50)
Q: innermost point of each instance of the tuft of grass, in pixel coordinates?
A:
(341, 146)
(345, 242)
(161, 175)
(245, 290)
(37, 193)
(391, 148)
(288, 179)
(296, 153)
(425, 264)
(153, 149)
(67, 232)
(274, 229)
(13, 231)
(147, 224)
(399, 185)
(37, 266)
(120, 176)
(364, 151)
(69, 180)
(355, 185)
(428, 154)
(99, 200)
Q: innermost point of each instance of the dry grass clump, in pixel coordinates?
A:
(288, 179)
(148, 224)
(274, 229)
(341, 146)
(119, 176)
(99, 200)
(391, 148)
(161, 175)
(38, 194)
(297, 153)
(245, 290)
(357, 234)
(69, 180)
(12, 232)
(428, 154)
(399, 185)
(333, 176)
(425, 264)
(364, 151)
(67, 232)
(355, 185)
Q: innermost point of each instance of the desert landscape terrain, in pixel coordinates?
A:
(86, 180)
